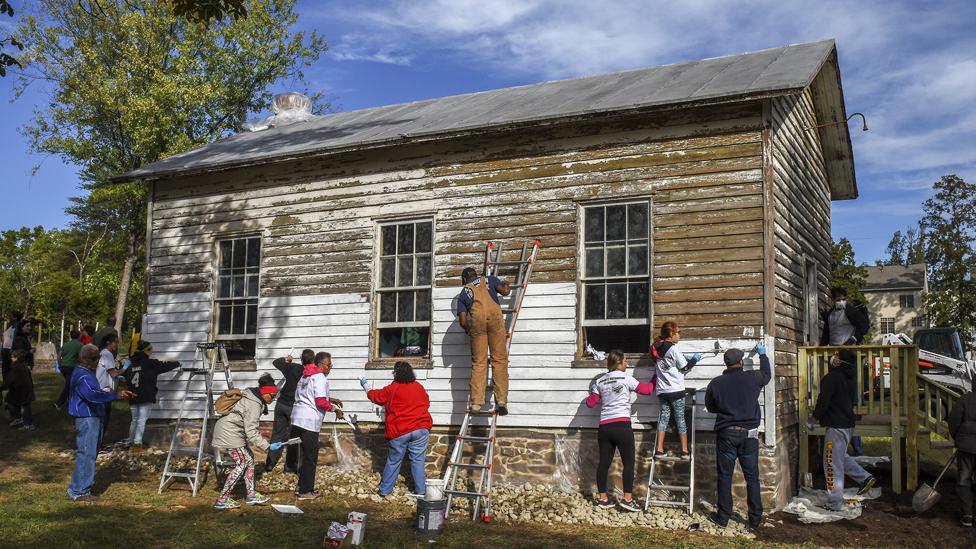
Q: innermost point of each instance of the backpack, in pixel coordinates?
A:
(227, 400)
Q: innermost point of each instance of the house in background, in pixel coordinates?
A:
(697, 192)
(895, 297)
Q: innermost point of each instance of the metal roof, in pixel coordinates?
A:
(768, 72)
(895, 277)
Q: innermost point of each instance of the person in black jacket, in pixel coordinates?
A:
(845, 323)
(22, 342)
(282, 411)
(19, 385)
(962, 427)
(141, 377)
(835, 411)
(734, 399)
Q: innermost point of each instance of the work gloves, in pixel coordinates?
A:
(275, 446)
(761, 348)
(365, 384)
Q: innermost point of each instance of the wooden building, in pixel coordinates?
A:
(697, 192)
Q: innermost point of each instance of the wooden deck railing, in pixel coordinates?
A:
(888, 378)
(936, 401)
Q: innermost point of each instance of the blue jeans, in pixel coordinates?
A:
(89, 431)
(414, 444)
(140, 414)
(733, 444)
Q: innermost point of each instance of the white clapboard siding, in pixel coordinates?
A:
(545, 390)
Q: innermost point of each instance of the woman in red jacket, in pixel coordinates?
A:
(408, 424)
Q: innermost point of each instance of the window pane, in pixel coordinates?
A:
(617, 261)
(617, 300)
(404, 306)
(251, 326)
(226, 252)
(388, 238)
(252, 285)
(636, 221)
(253, 252)
(239, 286)
(629, 339)
(593, 230)
(405, 238)
(616, 222)
(638, 260)
(423, 270)
(224, 285)
(387, 273)
(223, 319)
(240, 315)
(637, 300)
(595, 304)
(240, 254)
(388, 307)
(424, 237)
(594, 261)
(423, 305)
(405, 275)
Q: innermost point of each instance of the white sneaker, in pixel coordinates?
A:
(27, 428)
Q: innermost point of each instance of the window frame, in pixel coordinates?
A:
(377, 290)
(881, 325)
(906, 301)
(581, 279)
(217, 300)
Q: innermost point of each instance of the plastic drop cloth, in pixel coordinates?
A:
(565, 478)
(810, 505)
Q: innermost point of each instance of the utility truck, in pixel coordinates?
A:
(942, 357)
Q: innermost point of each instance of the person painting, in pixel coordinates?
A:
(835, 411)
(408, 424)
(234, 431)
(671, 368)
(481, 317)
(734, 399)
(281, 430)
(142, 377)
(612, 391)
(311, 403)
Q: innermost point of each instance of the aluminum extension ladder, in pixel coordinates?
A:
(205, 359)
(675, 489)
(481, 495)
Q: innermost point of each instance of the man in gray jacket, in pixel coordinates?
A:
(962, 427)
(235, 430)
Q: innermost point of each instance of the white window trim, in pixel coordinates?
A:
(216, 300)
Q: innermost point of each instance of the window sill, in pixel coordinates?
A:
(418, 363)
(243, 365)
(634, 360)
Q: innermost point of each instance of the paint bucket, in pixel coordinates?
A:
(434, 490)
(430, 516)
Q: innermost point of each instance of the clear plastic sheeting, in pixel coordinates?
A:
(810, 505)
(566, 476)
(347, 454)
(288, 108)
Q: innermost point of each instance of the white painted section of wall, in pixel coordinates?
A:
(545, 390)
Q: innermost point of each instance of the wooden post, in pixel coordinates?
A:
(909, 355)
(802, 372)
(897, 371)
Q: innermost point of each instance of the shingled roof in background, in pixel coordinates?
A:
(895, 277)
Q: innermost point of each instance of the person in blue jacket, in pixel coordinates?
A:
(86, 402)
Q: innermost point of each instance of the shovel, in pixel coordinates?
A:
(926, 496)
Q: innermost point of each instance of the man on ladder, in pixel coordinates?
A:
(480, 314)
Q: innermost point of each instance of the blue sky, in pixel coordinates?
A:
(909, 66)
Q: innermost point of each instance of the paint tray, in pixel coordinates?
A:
(287, 510)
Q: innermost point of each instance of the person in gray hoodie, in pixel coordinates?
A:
(234, 431)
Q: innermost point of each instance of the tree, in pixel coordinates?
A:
(950, 230)
(844, 270)
(202, 11)
(133, 83)
(896, 250)
(915, 245)
(7, 60)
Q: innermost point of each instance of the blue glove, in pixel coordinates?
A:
(364, 383)
(593, 388)
(275, 446)
(697, 357)
(761, 347)
(126, 364)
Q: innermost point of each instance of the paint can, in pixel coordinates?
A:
(430, 516)
(434, 489)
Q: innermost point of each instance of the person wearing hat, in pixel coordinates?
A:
(835, 411)
(141, 377)
(234, 431)
(734, 399)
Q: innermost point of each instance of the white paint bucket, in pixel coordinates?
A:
(434, 490)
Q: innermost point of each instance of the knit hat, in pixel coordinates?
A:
(143, 345)
(733, 357)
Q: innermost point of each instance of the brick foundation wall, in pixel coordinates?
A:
(564, 457)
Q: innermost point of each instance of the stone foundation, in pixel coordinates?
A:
(565, 458)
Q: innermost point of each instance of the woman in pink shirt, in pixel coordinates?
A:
(612, 390)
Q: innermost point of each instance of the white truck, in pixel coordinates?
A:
(942, 357)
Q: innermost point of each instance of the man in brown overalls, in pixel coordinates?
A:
(481, 317)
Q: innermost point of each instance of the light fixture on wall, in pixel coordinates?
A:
(864, 122)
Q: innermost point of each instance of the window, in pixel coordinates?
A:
(919, 321)
(236, 304)
(887, 325)
(403, 289)
(616, 277)
(906, 301)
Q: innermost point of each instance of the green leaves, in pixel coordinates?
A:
(202, 11)
(844, 270)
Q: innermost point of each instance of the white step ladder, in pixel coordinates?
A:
(195, 402)
(675, 490)
(480, 496)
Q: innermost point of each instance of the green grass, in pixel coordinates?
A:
(35, 512)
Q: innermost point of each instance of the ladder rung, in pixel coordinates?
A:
(670, 488)
(471, 466)
(668, 502)
(659, 457)
(475, 439)
(181, 475)
(465, 494)
(509, 263)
